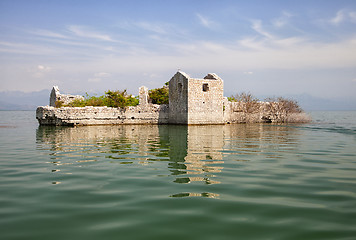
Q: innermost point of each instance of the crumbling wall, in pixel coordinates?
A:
(151, 114)
(64, 98)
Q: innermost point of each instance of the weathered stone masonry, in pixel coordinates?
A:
(64, 98)
(192, 101)
(196, 101)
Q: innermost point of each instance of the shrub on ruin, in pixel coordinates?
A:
(116, 98)
(111, 99)
(159, 95)
(88, 101)
(132, 100)
(58, 104)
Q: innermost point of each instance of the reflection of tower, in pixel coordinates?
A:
(204, 151)
(195, 151)
(178, 148)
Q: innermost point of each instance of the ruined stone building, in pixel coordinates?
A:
(192, 101)
(196, 101)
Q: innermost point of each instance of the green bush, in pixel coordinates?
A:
(110, 99)
(159, 95)
(58, 104)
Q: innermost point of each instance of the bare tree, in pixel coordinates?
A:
(249, 103)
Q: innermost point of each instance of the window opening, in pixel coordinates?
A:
(205, 87)
(180, 86)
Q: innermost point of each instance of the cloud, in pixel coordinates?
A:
(24, 48)
(343, 16)
(50, 34)
(43, 68)
(340, 17)
(98, 77)
(102, 74)
(84, 32)
(205, 21)
(152, 27)
(282, 20)
(257, 26)
(288, 42)
(156, 29)
(251, 43)
(39, 71)
(352, 16)
(150, 75)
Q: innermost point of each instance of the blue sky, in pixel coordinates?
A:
(265, 47)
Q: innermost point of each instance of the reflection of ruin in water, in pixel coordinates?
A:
(193, 153)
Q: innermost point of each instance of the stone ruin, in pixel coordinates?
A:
(192, 101)
(195, 100)
(64, 98)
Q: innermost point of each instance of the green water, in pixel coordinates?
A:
(177, 182)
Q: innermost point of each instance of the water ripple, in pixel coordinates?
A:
(255, 181)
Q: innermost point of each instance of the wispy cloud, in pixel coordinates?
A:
(39, 71)
(343, 16)
(24, 48)
(152, 27)
(282, 20)
(49, 34)
(352, 16)
(257, 26)
(43, 68)
(266, 39)
(98, 77)
(84, 32)
(288, 42)
(161, 32)
(206, 22)
(102, 74)
(339, 18)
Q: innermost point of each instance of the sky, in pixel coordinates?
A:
(268, 48)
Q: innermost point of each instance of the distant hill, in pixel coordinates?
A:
(310, 103)
(17, 100)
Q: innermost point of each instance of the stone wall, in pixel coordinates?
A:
(71, 116)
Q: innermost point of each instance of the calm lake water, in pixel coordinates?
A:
(257, 181)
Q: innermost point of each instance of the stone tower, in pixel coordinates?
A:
(196, 101)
